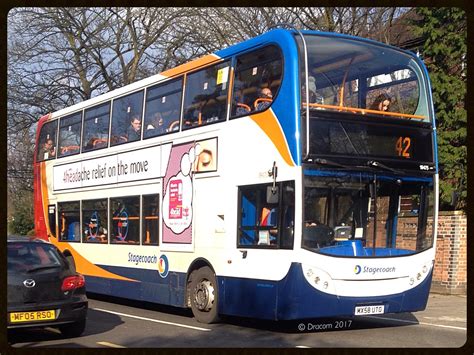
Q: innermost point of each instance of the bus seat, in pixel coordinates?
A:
(174, 126)
(99, 142)
(73, 231)
(70, 149)
(261, 99)
(244, 106)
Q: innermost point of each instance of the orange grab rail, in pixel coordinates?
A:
(364, 111)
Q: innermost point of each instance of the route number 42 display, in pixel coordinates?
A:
(403, 147)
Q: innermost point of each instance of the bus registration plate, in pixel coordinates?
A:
(365, 310)
(38, 316)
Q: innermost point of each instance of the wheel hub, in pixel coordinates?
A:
(204, 296)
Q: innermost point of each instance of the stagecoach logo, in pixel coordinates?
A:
(29, 283)
(373, 270)
(163, 266)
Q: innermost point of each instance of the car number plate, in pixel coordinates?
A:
(37, 316)
(364, 310)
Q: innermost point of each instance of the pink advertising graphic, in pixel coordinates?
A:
(178, 196)
(185, 160)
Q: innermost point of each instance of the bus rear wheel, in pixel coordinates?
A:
(204, 295)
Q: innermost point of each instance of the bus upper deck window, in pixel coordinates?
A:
(47, 141)
(162, 108)
(70, 134)
(127, 118)
(257, 80)
(96, 127)
(347, 76)
(205, 99)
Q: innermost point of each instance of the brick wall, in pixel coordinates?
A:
(450, 269)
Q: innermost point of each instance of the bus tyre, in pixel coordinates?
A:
(204, 295)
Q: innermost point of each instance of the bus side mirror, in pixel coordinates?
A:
(272, 194)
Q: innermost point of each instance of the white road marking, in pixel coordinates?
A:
(422, 323)
(302, 347)
(447, 318)
(110, 345)
(153, 320)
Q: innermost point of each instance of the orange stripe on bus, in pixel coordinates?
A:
(207, 59)
(87, 268)
(269, 124)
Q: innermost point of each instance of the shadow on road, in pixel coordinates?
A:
(325, 324)
(293, 326)
(31, 335)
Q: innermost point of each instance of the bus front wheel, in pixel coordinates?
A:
(204, 295)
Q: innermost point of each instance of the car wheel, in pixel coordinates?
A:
(204, 295)
(73, 329)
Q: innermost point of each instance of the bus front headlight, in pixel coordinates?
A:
(319, 279)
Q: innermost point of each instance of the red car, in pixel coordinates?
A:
(44, 290)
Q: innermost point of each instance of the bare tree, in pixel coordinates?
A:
(369, 22)
(60, 56)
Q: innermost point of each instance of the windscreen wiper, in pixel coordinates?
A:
(377, 164)
(331, 163)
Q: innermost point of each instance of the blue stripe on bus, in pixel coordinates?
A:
(294, 298)
(150, 288)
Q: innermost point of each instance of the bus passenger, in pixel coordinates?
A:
(134, 130)
(267, 96)
(381, 102)
(155, 126)
(314, 97)
(48, 150)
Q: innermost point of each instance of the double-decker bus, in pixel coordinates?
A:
(291, 176)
